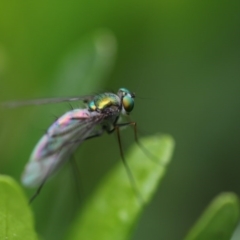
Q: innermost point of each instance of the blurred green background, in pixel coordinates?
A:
(182, 60)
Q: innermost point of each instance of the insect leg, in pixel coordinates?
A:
(128, 170)
(36, 193)
(141, 146)
(74, 165)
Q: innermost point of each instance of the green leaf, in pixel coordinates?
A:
(112, 211)
(15, 216)
(219, 219)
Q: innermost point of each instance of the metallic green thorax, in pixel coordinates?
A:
(123, 101)
(101, 101)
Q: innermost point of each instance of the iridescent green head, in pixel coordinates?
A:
(127, 99)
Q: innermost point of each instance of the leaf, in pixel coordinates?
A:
(16, 220)
(219, 219)
(112, 211)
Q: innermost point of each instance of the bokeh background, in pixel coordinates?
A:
(182, 60)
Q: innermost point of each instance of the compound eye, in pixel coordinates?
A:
(128, 103)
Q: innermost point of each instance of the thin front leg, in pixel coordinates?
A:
(129, 173)
(142, 147)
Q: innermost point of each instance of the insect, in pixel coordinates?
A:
(63, 137)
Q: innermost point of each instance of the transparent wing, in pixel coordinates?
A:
(14, 104)
(57, 145)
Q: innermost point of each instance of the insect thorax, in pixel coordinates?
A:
(105, 103)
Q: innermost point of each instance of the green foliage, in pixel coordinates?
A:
(114, 208)
(15, 216)
(219, 219)
(182, 60)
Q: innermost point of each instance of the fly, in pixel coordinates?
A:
(64, 136)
